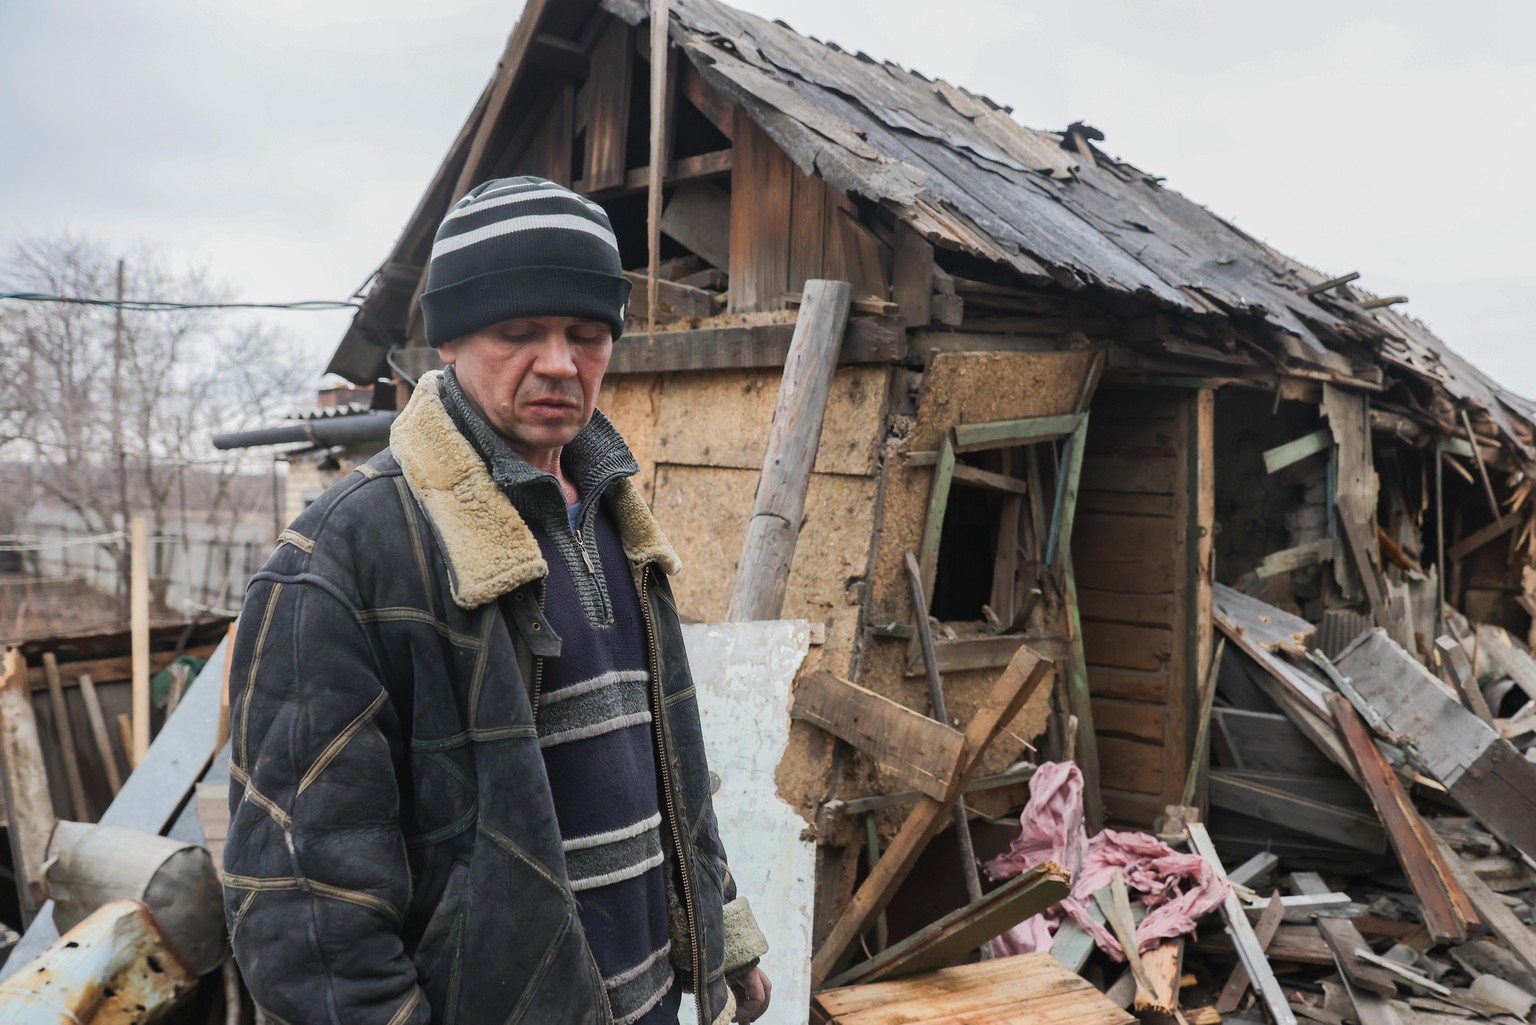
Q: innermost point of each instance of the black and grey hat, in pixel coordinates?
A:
(522, 247)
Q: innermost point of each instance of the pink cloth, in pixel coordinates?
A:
(1052, 824)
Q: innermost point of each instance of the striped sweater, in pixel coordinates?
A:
(596, 734)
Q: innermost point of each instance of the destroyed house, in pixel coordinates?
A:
(1081, 400)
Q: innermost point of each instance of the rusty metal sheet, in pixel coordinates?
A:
(114, 968)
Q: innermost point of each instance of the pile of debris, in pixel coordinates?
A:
(1368, 856)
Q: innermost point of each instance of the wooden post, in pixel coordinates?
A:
(769, 546)
(99, 732)
(28, 805)
(139, 625)
(660, 103)
(63, 729)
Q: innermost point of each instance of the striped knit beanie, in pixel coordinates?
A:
(522, 247)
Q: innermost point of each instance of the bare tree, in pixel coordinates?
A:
(109, 413)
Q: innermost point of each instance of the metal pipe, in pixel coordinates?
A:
(341, 430)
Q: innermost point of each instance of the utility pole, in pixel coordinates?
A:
(117, 439)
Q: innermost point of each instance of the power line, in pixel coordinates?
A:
(165, 306)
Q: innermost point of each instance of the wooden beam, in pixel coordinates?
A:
(138, 608)
(1376, 304)
(950, 938)
(917, 750)
(718, 110)
(661, 121)
(63, 730)
(863, 805)
(1007, 433)
(1293, 811)
(866, 340)
(1013, 688)
(768, 547)
(1506, 925)
(684, 170)
(1475, 540)
(498, 93)
(1328, 286)
(28, 804)
(1479, 768)
(1281, 456)
(674, 301)
(112, 669)
(1445, 907)
(1249, 951)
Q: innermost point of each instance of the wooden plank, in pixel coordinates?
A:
(1269, 742)
(1445, 907)
(1482, 771)
(987, 479)
(1281, 456)
(1029, 989)
(807, 235)
(1291, 559)
(1315, 818)
(977, 437)
(866, 340)
(1132, 765)
(919, 751)
(1506, 925)
(1135, 719)
(1231, 996)
(1344, 939)
(762, 192)
(1115, 902)
(99, 734)
(28, 804)
(1148, 648)
(1146, 474)
(720, 111)
(1013, 688)
(912, 276)
(1256, 624)
(1249, 951)
(1503, 653)
(1125, 607)
(698, 216)
(674, 301)
(64, 732)
(138, 610)
(768, 547)
(605, 97)
(933, 529)
(965, 929)
(1369, 573)
(862, 805)
(1072, 945)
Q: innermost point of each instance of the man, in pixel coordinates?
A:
(468, 780)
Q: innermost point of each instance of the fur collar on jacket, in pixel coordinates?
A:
(489, 549)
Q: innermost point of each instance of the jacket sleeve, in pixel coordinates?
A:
(316, 877)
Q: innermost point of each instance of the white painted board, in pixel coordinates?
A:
(743, 672)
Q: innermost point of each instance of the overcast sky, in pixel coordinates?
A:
(284, 142)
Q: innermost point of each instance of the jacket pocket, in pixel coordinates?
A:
(439, 942)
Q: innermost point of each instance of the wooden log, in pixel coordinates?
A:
(963, 930)
(1445, 906)
(138, 610)
(1013, 688)
(768, 548)
(99, 734)
(1231, 997)
(917, 750)
(64, 732)
(1249, 951)
(1344, 940)
(28, 804)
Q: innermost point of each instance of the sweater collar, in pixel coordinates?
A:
(486, 542)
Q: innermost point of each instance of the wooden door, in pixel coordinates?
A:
(1141, 550)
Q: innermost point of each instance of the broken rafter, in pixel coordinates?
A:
(1330, 284)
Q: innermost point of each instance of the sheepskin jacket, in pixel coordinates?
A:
(393, 855)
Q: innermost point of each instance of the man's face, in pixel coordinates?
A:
(534, 379)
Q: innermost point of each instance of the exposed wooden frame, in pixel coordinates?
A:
(865, 340)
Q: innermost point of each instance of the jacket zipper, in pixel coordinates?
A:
(538, 686)
(700, 986)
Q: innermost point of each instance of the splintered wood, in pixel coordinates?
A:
(1030, 989)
